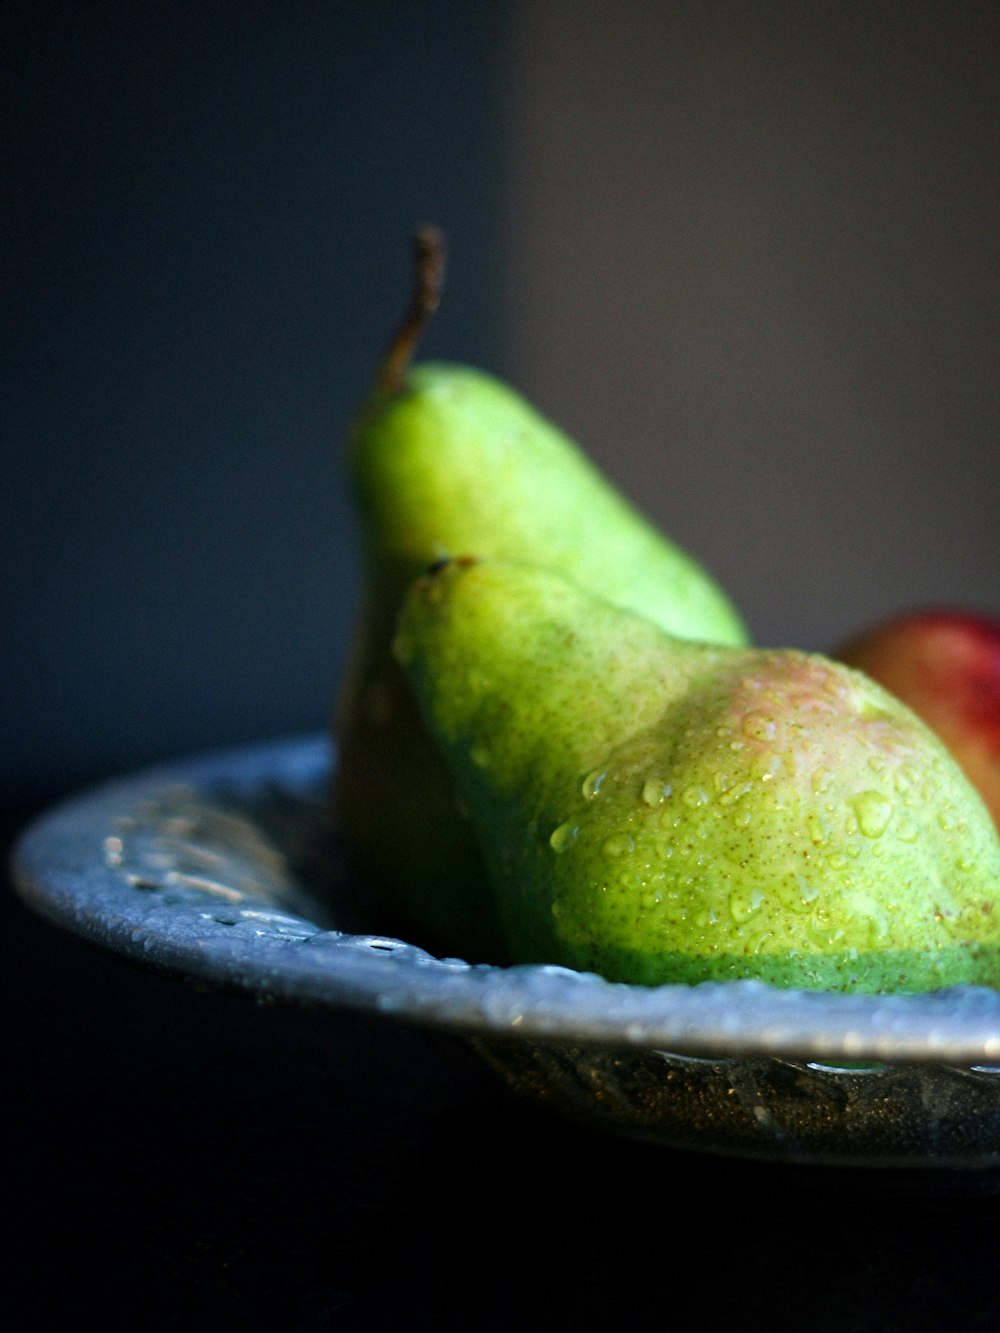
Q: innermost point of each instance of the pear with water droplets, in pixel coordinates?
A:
(445, 459)
(659, 810)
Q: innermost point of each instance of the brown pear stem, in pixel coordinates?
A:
(428, 280)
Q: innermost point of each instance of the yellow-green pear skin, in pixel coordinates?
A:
(658, 810)
(443, 460)
(457, 462)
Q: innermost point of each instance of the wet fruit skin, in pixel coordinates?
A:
(945, 664)
(778, 857)
(660, 811)
(443, 459)
(454, 461)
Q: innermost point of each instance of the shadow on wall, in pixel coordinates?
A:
(210, 233)
(750, 263)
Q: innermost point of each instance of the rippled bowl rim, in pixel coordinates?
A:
(278, 953)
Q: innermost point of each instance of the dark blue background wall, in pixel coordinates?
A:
(207, 211)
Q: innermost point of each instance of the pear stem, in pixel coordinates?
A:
(425, 297)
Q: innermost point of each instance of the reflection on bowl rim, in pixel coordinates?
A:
(272, 948)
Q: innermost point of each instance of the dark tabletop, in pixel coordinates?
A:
(184, 1159)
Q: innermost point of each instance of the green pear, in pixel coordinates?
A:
(444, 459)
(658, 810)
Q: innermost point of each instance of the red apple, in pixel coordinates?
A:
(945, 664)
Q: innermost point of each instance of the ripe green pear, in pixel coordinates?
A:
(444, 459)
(658, 810)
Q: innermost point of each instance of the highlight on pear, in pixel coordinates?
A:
(556, 744)
(445, 458)
(660, 810)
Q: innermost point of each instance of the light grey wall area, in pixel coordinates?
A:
(755, 271)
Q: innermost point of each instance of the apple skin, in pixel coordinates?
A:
(945, 664)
